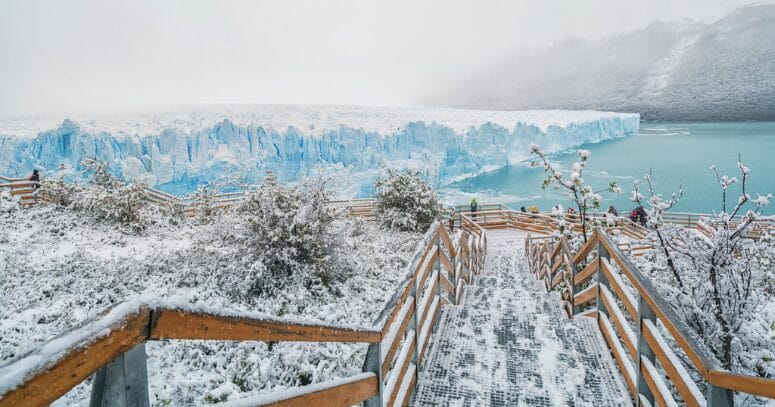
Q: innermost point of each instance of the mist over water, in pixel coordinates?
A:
(677, 153)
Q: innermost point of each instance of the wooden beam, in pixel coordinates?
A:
(393, 347)
(345, 394)
(586, 295)
(619, 322)
(175, 324)
(673, 367)
(586, 273)
(619, 290)
(78, 363)
(746, 384)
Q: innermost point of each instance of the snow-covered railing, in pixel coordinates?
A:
(113, 347)
(438, 275)
(31, 192)
(637, 330)
(28, 192)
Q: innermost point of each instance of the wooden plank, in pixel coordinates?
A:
(651, 377)
(619, 290)
(175, 324)
(695, 357)
(586, 273)
(393, 347)
(746, 384)
(345, 394)
(425, 271)
(78, 363)
(401, 370)
(444, 235)
(621, 325)
(621, 359)
(585, 296)
(585, 249)
(398, 305)
(675, 371)
(412, 383)
(427, 306)
(446, 284)
(446, 263)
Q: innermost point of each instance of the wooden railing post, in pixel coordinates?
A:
(718, 396)
(123, 381)
(373, 364)
(645, 313)
(601, 278)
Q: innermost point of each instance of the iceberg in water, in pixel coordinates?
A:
(177, 150)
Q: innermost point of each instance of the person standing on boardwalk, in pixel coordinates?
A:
(474, 208)
(35, 177)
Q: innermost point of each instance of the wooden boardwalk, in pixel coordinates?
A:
(510, 344)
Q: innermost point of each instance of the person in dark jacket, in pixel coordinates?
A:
(639, 215)
(474, 208)
(35, 177)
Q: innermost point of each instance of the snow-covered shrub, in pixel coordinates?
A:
(112, 200)
(8, 202)
(204, 201)
(716, 276)
(405, 202)
(288, 232)
(59, 192)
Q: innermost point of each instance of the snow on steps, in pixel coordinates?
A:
(510, 343)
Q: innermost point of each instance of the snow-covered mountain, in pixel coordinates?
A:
(666, 71)
(180, 149)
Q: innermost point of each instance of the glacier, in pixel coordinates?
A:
(178, 150)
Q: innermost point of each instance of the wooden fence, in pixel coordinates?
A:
(31, 193)
(112, 347)
(636, 323)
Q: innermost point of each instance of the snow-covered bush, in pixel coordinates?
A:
(406, 202)
(288, 232)
(112, 200)
(582, 195)
(59, 192)
(204, 201)
(716, 276)
(8, 202)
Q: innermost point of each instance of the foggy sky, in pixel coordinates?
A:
(66, 56)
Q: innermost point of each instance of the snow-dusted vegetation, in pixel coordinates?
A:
(282, 252)
(719, 279)
(406, 202)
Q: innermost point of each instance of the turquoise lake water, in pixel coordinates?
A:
(677, 153)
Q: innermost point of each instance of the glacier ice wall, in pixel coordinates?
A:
(178, 159)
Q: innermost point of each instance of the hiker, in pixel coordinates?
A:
(610, 217)
(35, 178)
(522, 209)
(638, 215)
(474, 208)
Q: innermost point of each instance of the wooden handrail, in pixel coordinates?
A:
(650, 302)
(47, 373)
(341, 392)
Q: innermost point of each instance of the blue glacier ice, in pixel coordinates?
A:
(177, 158)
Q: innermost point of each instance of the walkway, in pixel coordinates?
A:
(510, 344)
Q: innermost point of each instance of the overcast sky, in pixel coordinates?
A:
(61, 56)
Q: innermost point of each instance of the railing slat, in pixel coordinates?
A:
(43, 386)
(175, 324)
(672, 365)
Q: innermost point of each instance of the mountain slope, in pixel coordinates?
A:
(721, 71)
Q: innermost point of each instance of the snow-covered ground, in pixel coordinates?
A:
(60, 268)
(178, 149)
